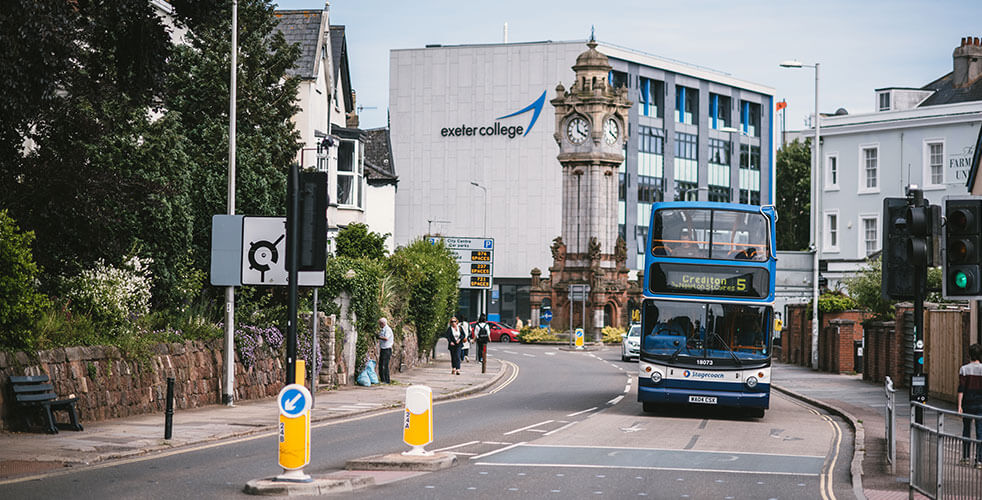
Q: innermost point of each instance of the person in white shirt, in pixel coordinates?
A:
(385, 338)
(466, 328)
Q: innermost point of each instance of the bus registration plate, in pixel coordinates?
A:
(707, 400)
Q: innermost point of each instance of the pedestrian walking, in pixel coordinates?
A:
(385, 340)
(970, 403)
(483, 333)
(454, 337)
(466, 346)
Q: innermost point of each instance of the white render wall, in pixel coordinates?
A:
(434, 88)
(901, 138)
(380, 209)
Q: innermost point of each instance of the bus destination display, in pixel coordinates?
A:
(696, 279)
(480, 256)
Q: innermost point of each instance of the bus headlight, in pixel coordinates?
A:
(751, 382)
(655, 376)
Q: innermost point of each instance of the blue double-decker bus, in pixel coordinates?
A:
(707, 313)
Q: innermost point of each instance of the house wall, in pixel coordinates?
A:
(380, 211)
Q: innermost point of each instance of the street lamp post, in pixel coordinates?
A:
(816, 217)
(484, 293)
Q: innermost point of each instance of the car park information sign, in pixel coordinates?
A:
(475, 260)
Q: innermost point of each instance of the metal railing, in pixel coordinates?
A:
(942, 464)
(890, 419)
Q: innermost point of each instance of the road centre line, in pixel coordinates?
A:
(559, 429)
(615, 400)
(550, 353)
(529, 427)
(499, 450)
(527, 354)
(458, 446)
(581, 412)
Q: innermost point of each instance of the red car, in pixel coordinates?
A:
(500, 332)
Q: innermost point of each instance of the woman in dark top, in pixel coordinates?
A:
(455, 339)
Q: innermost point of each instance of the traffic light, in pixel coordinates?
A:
(961, 243)
(909, 234)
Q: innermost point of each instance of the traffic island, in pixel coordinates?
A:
(317, 486)
(400, 462)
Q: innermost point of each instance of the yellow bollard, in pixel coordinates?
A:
(579, 338)
(301, 372)
(418, 422)
(294, 432)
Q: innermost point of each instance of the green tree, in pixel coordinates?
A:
(357, 241)
(793, 201)
(428, 280)
(101, 176)
(266, 140)
(20, 302)
(865, 289)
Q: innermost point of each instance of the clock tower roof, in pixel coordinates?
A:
(591, 63)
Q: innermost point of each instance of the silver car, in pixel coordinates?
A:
(631, 343)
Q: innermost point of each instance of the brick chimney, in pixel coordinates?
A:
(967, 62)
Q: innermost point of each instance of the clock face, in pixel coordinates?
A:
(611, 131)
(577, 130)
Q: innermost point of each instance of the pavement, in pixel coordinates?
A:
(863, 405)
(24, 454)
(860, 403)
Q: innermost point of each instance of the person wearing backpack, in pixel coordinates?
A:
(483, 332)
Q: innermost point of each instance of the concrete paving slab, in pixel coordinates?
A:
(318, 486)
(400, 462)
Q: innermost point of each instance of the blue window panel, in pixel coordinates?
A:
(714, 110)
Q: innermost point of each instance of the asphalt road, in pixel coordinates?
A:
(567, 425)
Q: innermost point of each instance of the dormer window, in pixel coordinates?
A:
(884, 99)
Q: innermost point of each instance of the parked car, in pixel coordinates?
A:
(500, 332)
(631, 343)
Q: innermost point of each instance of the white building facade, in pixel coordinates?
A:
(474, 138)
(924, 137)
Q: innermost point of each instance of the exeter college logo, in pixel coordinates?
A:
(498, 128)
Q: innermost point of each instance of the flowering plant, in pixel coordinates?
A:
(113, 295)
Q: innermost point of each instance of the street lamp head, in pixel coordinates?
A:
(791, 63)
(475, 184)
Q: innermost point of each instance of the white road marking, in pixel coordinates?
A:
(581, 412)
(509, 352)
(615, 400)
(461, 445)
(494, 442)
(499, 450)
(627, 388)
(645, 467)
(550, 354)
(529, 427)
(527, 354)
(559, 429)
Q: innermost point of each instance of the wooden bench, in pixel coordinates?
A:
(36, 394)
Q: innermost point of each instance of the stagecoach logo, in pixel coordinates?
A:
(499, 128)
(701, 375)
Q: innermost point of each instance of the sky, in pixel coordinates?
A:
(861, 45)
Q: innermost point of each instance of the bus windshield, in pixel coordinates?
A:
(678, 330)
(709, 234)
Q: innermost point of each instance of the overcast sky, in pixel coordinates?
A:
(862, 45)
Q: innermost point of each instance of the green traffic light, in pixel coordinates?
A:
(961, 279)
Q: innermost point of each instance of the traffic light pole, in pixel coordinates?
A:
(918, 220)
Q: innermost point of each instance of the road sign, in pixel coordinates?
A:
(475, 260)
(294, 436)
(579, 292)
(546, 317)
(264, 254)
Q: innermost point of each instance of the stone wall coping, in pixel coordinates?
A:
(839, 321)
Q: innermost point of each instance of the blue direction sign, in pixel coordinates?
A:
(546, 316)
(294, 401)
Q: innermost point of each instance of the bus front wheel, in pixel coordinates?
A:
(649, 406)
(757, 412)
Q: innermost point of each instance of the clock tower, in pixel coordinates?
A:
(591, 130)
